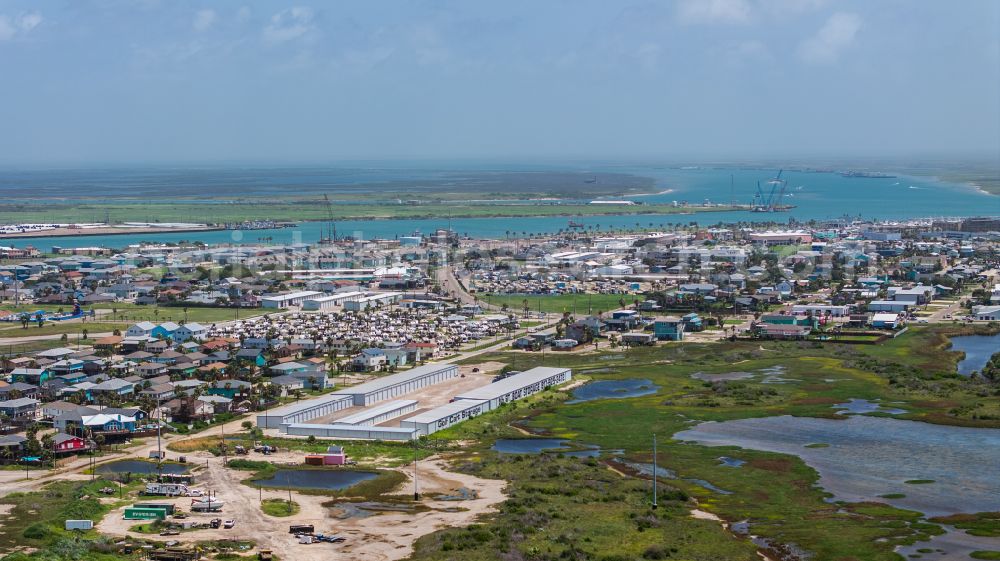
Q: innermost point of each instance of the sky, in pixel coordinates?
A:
(273, 81)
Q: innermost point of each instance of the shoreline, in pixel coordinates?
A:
(108, 231)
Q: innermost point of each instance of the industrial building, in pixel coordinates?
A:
(442, 417)
(518, 386)
(380, 413)
(280, 301)
(338, 430)
(330, 302)
(395, 385)
(301, 411)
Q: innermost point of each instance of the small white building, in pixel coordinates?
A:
(281, 301)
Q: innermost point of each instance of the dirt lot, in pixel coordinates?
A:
(379, 537)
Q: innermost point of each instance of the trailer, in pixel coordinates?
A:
(168, 489)
(301, 529)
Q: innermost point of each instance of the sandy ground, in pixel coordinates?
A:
(378, 537)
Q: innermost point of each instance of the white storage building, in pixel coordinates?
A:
(442, 417)
(402, 383)
(518, 386)
(380, 413)
(279, 301)
(330, 302)
(373, 301)
(337, 430)
(301, 411)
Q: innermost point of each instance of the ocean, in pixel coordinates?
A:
(816, 195)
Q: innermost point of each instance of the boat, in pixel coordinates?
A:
(574, 224)
(866, 174)
(206, 505)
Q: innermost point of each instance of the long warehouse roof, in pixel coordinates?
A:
(372, 412)
(515, 382)
(432, 415)
(297, 406)
(395, 379)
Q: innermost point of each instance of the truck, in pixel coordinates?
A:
(157, 455)
(168, 489)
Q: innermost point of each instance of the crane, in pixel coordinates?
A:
(329, 216)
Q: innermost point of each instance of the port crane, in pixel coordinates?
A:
(332, 232)
(771, 203)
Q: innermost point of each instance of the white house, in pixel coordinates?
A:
(141, 329)
(986, 313)
(190, 331)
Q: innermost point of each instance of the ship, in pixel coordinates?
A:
(866, 174)
(574, 224)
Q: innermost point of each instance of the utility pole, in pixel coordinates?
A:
(654, 471)
(159, 449)
(416, 491)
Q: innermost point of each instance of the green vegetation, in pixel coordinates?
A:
(366, 453)
(893, 496)
(776, 492)
(577, 304)
(279, 507)
(305, 209)
(37, 521)
(575, 508)
(985, 554)
(984, 524)
(818, 445)
(919, 481)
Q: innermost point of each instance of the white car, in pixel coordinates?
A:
(229, 523)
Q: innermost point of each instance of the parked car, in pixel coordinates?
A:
(229, 523)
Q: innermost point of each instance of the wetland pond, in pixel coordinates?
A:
(977, 348)
(139, 466)
(613, 389)
(328, 480)
(548, 445)
(861, 458)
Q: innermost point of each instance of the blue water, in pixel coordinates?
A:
(613, 389)
(855, 406)
(822, 195)
(315, 479)
(977, 348)
(529, 445)
(872, 456)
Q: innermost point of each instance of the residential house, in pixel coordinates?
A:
(22, 408)
(63, 443)
(669, 328)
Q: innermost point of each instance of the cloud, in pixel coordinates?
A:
(22, 24)
(29, 21)
(713, 11)
(288, 25)
(743, 52)
(204, 19)
(836, 35)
